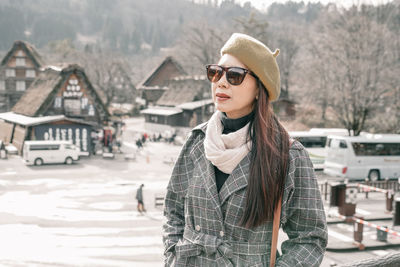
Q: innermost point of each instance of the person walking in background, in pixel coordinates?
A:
(239, 175)
(139, 197)
(139, 143)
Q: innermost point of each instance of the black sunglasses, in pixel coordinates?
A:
(234, 75)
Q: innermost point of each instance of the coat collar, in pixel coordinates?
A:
(201, 127)
(237, 180)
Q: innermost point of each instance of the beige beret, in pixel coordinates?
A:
(258, 58)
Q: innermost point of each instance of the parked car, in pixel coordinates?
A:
(40, 152)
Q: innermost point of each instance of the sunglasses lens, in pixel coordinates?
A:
(214, 73)
(235, 76)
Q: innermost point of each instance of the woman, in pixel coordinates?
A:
(234, 169)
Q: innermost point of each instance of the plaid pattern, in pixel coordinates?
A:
(202, 224)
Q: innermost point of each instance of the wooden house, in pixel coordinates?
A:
(16, 128)
(63, 92)
(18, 69)
(185, 104)
(154, 85)
(125, 91)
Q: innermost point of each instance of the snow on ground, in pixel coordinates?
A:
(85, 214)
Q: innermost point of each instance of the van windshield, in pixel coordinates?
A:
(70, 147)
(312, 141)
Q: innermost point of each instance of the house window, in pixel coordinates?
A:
(20, 53)
(72, 106)
(57, 102)
(10, 72)
(20, 62)
(21, 86)
(91, 110)
(30, 74)
(2, 85)
(154, 119)
(84, 102)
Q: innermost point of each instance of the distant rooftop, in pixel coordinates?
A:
(165, 111)
(195, 104)
(28, 121)
(190, 77)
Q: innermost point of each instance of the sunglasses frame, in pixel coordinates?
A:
(225, 71)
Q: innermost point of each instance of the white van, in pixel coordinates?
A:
(372, 156)
(39, 152)
(314, 142)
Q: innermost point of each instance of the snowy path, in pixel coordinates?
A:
(84, 214)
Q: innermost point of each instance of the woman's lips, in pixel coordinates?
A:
(222, 97)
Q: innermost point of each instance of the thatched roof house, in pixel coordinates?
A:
(20, 66)
(61, 104)
(154, 85)
(28, 50)
(184, 89)
(66, 92)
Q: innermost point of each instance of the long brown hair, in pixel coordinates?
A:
(269, 163)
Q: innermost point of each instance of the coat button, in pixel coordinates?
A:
(221, 233)
(197, 228)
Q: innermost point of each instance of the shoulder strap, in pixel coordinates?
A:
(275, 227)
(275, 231)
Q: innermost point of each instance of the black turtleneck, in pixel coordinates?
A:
(230, 125)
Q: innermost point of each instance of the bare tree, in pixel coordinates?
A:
(311, 72)
(254, 26)
(104, 71)
(286, 37)
(355, 49)
(200, 45)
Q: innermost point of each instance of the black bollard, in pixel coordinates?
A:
(389, 200)
(358, 230)
(338, 195)
(381, 235)
(396, 215)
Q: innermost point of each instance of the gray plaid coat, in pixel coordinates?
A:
(202, 224)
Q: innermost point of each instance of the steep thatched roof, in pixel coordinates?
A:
(29, 50)
(37, 94)
(149, 80)
(185, 89)
(45, 87)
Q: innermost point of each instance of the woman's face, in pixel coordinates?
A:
(235, 100)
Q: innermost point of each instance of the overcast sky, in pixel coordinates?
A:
(263, 4)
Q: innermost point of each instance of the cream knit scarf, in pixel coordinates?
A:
(225, 151)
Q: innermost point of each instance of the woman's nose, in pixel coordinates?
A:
(223, 82)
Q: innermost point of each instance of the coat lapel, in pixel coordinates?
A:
(211, 187)
(237, 180)
(208, 173)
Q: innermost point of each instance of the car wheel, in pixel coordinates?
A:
(374, 175)
(38, 162)
(68, 161)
